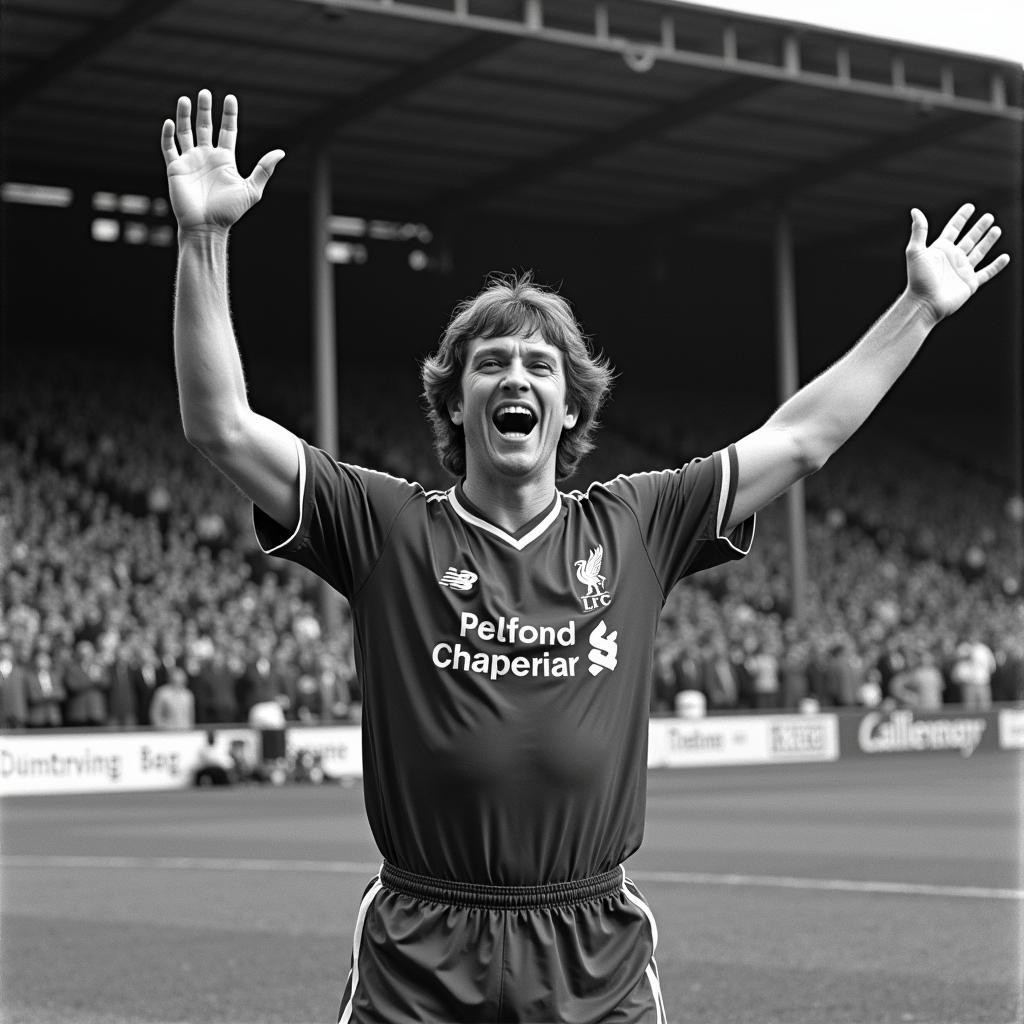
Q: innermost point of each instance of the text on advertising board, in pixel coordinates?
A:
(900, 732)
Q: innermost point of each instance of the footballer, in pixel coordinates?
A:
(504, 629)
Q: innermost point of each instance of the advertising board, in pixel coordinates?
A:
(802, 737)
(339, 746)
(95, 762)
(734, 740)
(905, 731)
(1011, 728)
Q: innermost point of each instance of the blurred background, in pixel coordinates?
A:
(723, 194)
(684, 175)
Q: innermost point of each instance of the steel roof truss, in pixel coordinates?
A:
(76, 52)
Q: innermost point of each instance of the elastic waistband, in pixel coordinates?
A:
(500, 897)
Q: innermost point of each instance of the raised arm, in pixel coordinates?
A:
(208, 196)
(807, 429)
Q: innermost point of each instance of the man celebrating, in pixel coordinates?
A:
(504, 630)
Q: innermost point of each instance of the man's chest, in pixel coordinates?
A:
(572, 604)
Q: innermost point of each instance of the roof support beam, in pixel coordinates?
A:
(577, 154)
(318, 128)
(602, 36)
(782, 186)
(79, 50)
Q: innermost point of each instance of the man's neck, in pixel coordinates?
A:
(509, 505)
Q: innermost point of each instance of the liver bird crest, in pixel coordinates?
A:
(588, 571)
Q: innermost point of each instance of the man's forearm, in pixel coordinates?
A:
(211, 384)
(825, 413)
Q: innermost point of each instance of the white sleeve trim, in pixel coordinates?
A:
(723, 500)
(723, 492)
(302, 497)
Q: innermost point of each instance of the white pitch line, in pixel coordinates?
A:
(830, 885)
(370, 868)
(192, 864)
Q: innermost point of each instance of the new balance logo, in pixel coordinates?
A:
(604, 651)
(458, 579)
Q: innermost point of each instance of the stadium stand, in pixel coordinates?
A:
(126, 557)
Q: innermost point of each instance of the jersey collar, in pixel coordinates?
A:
(525, 535)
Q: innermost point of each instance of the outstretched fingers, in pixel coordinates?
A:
(264, 169)
(972, 237)
(956, 223)
(170, 150)
(183, 124)
(204, 118)
(980, 250)
(228, 124)
(987, 273)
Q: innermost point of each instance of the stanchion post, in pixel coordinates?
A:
(788, 363)
(325, 368)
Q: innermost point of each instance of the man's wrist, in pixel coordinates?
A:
(917, 308)
(202, 235)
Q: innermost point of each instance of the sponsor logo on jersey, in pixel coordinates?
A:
(538, 651)
(588, 572)
(604, 651)
(458, 579)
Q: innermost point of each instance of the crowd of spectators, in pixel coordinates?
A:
(132, 591)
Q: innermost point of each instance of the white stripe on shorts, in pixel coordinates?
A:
(636, 900)
(346, 1014)
(659, 999)
(630, 891)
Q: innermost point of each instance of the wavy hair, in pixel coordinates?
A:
(516, 306)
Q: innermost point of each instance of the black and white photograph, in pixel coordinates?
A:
(511, 511)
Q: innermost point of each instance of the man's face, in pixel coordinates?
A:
(513, 407)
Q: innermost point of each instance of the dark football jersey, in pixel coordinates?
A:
(506, 677)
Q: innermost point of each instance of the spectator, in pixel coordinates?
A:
(920, 685)
(173, 705)
(818, 672)
(890, 663)
(286, 673)
(335, 698)
(308, 696)
(844, 673)
(794, 684)
(686, 664)
(718, 677)
(663, 689)
(973, 670)
(1008, 679)
(258, 683)
(13, 687)
(763, 666)
(45, 692)
(144, 681)
(86, 681)
(213, 686)
(121, 708)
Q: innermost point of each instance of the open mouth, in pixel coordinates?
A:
(514, 420)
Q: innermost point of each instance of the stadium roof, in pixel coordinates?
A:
(607, 113)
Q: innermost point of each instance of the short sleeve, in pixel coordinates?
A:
(682, 515)
(345, 515)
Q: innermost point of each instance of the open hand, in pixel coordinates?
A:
(205, 187)
(945, 274)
